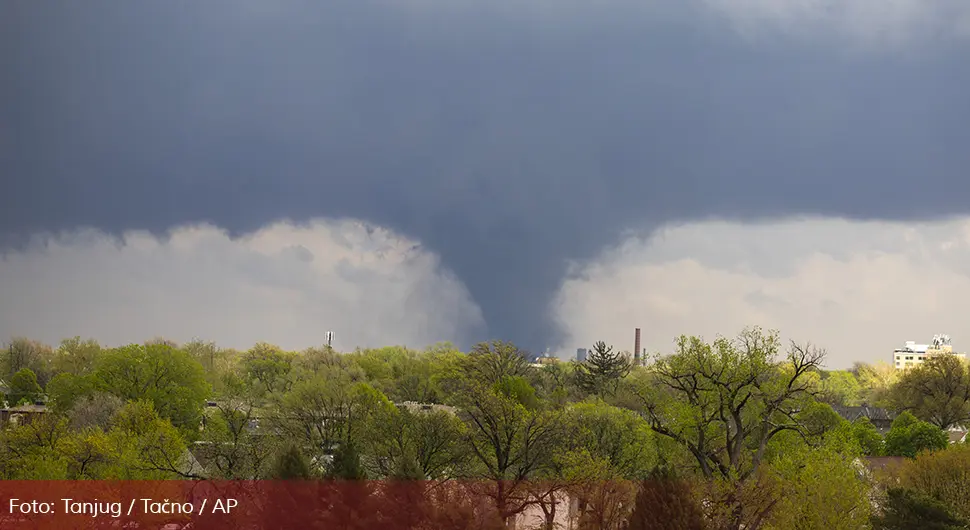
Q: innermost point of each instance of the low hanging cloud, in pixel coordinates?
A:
(858, 289)
(285, 284)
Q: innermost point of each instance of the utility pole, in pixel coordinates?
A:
(329, 338)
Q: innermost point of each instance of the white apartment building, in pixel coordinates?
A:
(913, 354)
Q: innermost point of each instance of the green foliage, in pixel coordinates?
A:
(230, 443)
(943, 475)
(725, 401)
(330, 409)
(869, 441)
(877, 381)
(76, 357)
(167, 377)
(66, 389)
(138, 446)
(519, 390)
(490, 362)
(291, 464)
(937, 391)
(408, 468)
(24, 387)
(150, 447)
(23, 353)
(909, 437)
(821, 490)
(602, 370)
(841, 387)
(268, 366)
(907, 510)
(346, 463)
(432, 438)
(402, 374)
(728, 414)
(618, 437)
(216, 362)
(819, 419)
(508, 442)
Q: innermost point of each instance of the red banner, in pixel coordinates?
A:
(184, 505)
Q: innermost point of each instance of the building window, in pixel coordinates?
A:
(909, 358)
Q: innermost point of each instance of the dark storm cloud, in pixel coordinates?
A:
(505, 143)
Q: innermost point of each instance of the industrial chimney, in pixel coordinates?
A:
(636, 348)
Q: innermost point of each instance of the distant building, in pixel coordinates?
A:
(957, 436)
(913, 354)
(414, 406)
(544, 360)
(21, 415)
(581, 354)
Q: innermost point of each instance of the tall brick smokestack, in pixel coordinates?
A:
(636, 348)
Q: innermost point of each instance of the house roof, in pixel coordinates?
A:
(957, 436)
(26, 409)
(884, 462)
(873, 413)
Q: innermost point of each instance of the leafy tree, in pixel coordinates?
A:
(602, 369)
(24, 387)
(725, 402)
(229, 443)
(408, 468)
(938, 391)
(432, 438)
(877, 380)
(817, 420)
(66, 389)
(840, 387)
(216, 362)
(867, 437)
(618, 437)
(943, 475)
(346, 463)
(33, 451)
(907, 509)
(23, 353)
(167, 377)
(665, 502)
(909, 437)
(328, 410)
(94, 411)
(519, 390)
(76, 356)
(489, 362)
(509, 443)
(268, 366)
(821, 491)
(602, 498)
(312, 360)
(149, 446)
(554, 383)
(291, 464)
(91, 455)
(138, 446)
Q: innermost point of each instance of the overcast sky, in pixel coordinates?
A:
(551, 172)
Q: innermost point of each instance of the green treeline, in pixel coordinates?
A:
(744, 432)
